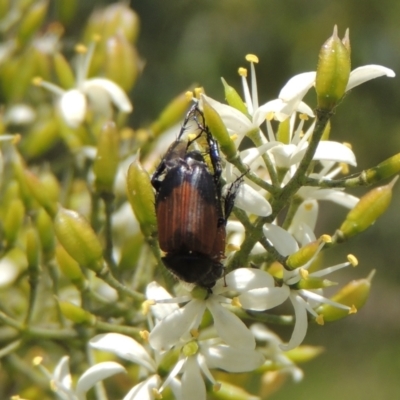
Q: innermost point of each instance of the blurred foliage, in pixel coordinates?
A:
(183, 43)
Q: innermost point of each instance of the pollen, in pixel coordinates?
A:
(198, 91)
(320, 320)
(353, 310)
(242, 72)
(146, 306)
(234, 136)
(37, 361)
(304, 273)
(37, 81)
(252, 58)
(236, 302)
(189, 95)
(81, 48)
(309, 206)
(326, 238)
(145, 335)
(344, 168)
(352, 260)
(304, 117)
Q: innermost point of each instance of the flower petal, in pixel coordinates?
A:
(61, 373)
(154, 291)
(144, 390)
(117, 95)
(232, 359)
(366, 73)
(95, 374)
(169, 330)
(124, 347)
(193, 386)
(264, 298)
(334, 151)
(73, 107)
(248, 199)
(301, 324)
(229, 327)
(282, 240)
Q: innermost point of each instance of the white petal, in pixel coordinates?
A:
(154, 291)
(230, 328)
(284, 154)
(307, 214)
(61, 373)
(282, 240)
(117, 95)
(73, 107)
(95, 374)
(264, 298)
(336, 196)
(169, 330)
(143, 390)
(232, 359)
(248, 199)
(243, 279)
(193, 386)
(334, 151)
(124, 347)
(366, 73)
(301, 324)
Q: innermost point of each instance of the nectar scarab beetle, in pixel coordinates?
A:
(191, 211)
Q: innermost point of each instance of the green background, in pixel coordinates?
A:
(186, 42)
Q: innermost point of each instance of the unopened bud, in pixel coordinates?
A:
(63, 71)
(304, 255)
(233, 98)
(383, 170)
(333, 72)
(13, 220)
(32, 20)
(69, 267)
(44, 226)
(76, 314)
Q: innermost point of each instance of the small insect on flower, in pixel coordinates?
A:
(191, 211)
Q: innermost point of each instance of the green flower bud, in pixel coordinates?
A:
(69, 267)
(306, 253)
(354, 295)
(44, 226)
(311, 282)
(76, 314)
(32, 20)
(333, 72)
(233, 98)
(370, 207)
(190, 349)
(32, 248)
(122, 63)
(171, 114)
(107, 159)
(283, 134)
(383, 170)
(229, 391)
(141, 197)
(39, 191)
(13, 220)
(24, 189)
(218, 130)
(304, 353)
(78, 238)
(63, 71)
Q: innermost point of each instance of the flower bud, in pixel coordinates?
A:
(283, 134)
(78, 238)
(122, 63)
(44, 226)
(304, 353)
(76, 314)
(312, 282)
(69, 267)
(333, 72)
(39, 191)
(13, 220)
(32, 20)
(218, 130)
(383, 170)
(233, 98)
(141, 197)
(63, 71)
(229, 391)
(171, 114)
(370, 207)
(107, 159)
(305, 254)
(354, 294)
(32, 248)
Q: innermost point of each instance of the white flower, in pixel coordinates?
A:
(61, 381)
(100, 92)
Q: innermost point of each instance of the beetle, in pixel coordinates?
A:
(191, 211)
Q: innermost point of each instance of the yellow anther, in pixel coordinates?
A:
(320, 320)
(234, 136)
(236, 302)
(344, 168)
(352, 260)
(16, 139)
(309, 206)
(270, 116)
(347, 144)
(353, 310)
(304, 273)
(145, 335)
(81, 48)
(37, 81)
(216, 387)
(37, 361)
(189, 95)
(232, 247)
(96, 37)
(194, 333)
(156, 394)
(242, 72)
(127, 133)
(252, 58)
(326, 238)
(198, 92)
(146, 306)
(304, 117)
